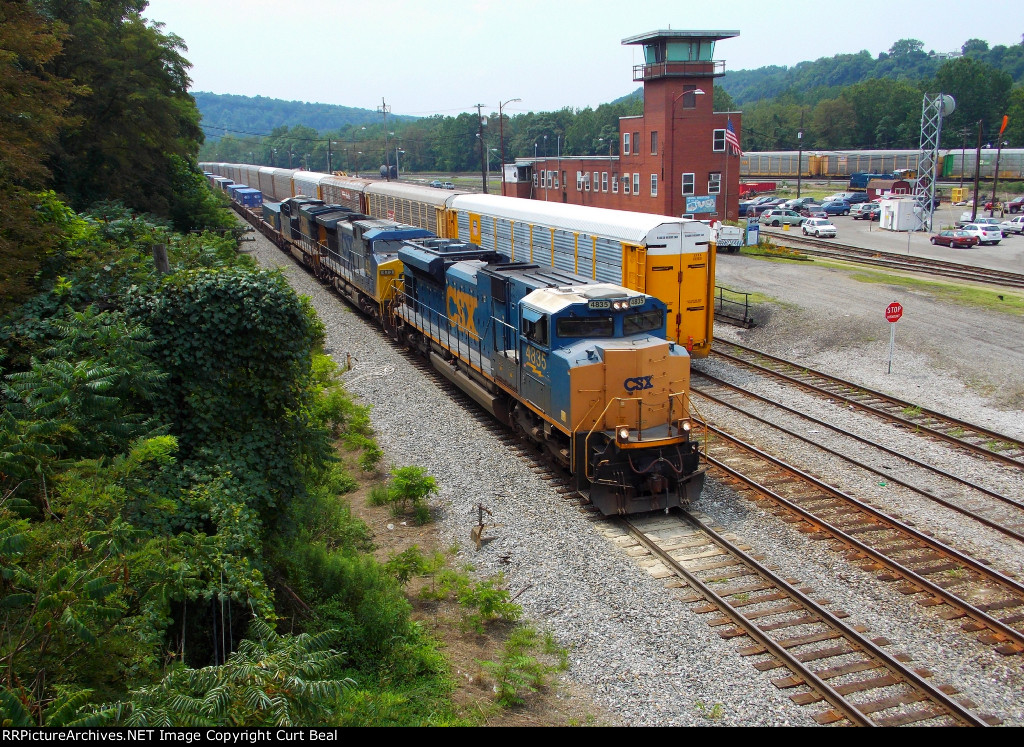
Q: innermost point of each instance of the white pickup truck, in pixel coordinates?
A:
(726, 238)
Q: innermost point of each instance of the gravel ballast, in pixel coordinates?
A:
(637, 650)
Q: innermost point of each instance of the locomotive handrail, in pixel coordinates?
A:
(463, 350)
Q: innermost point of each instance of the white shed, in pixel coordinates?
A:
(899, 214)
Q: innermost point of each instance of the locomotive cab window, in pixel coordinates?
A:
(535, 327)
(591, 326)
(644, 321)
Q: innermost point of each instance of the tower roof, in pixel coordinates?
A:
(651, 36)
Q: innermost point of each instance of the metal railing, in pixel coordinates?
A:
(733, 307)
(696, 69)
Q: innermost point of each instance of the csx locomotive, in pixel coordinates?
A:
(578, 367)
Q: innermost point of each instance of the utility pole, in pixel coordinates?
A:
(963, 153)
(977, 176)
(384, 109)
(995, 175)
(483, 153)
(800, 156)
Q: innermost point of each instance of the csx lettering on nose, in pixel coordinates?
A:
(637, 383)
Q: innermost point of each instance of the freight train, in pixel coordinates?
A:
(952, 165)
(669, 258)
(579, 367)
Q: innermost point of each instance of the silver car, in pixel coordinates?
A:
(1012, 225)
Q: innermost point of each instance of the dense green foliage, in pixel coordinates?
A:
(906, 60)
(849, 101)
(169, 495)
(175, 545)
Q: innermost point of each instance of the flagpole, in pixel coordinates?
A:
(728, 152)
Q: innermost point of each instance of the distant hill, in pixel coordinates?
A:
(905, 60)
(241, 115)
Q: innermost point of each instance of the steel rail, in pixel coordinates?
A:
(950, 598)
(811, 679)
(932, 414)
(990, 523)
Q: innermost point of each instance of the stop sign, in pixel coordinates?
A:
(893, 312)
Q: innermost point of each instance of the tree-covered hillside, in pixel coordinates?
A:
(906, 60)
(227, 113)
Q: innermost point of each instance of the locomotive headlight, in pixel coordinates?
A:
(683, 426)
(622, 433)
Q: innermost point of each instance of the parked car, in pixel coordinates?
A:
(820, 227)
(781, 216)
(836, 207)
(447, 185)
(1013, 225)
(987, 234)
(956, 238)
(798, 202)
(436, 184)
(866, 211)
(1016, 204)
(856, 197)
(747, 204)
(755, 211)
(814, 211)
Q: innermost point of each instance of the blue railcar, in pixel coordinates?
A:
(249, 197)
(580, 367)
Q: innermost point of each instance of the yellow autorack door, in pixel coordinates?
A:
(474, 228)
(634, 267)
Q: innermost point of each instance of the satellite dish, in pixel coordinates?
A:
(948, 105)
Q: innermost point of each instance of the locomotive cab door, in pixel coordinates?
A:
(534, 348)
(505, 337)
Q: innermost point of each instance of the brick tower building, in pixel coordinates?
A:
(678, 158)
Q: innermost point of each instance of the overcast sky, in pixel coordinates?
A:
(445, 56)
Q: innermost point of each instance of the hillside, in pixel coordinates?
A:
(241, 115)
(905, 60)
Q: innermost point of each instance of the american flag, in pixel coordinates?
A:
(731, 139)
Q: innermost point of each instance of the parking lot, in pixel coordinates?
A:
(1007, 255)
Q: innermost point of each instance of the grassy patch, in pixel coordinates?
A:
(1007, 302)
(525, 665)
(769, 250)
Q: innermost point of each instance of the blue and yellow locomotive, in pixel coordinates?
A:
(579, 367)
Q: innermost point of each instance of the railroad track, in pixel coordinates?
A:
(893, 261)
(829, 661)
(998, 512)
(984, 599)
(976, 439)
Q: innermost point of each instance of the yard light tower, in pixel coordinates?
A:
(933, 109)
(501, 137)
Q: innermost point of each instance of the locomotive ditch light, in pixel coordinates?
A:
(622, 433)
(683, 426)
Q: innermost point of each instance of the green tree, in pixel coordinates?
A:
(32, 102)
(981, 93)
(272, 680)
(132, 108)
